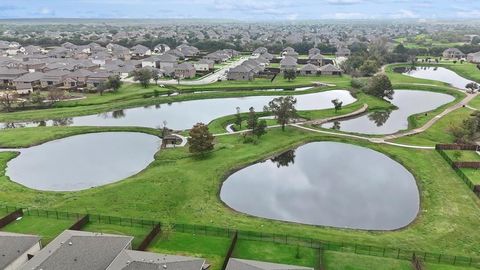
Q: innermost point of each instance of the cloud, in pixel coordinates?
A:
(349, 15)
(468, 14)
(404, 14)
(344, 2)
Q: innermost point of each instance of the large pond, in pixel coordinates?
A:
(183, 115)
(408, 102)
(437, 74)
(327, 183)
(83, 161)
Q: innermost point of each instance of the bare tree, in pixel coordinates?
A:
(7, 99)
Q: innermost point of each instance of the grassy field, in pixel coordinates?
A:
(46, 228)
(211, 248)
(347, 261)
(138, 232)
(440, 131)
(446, 224)
(276, 253)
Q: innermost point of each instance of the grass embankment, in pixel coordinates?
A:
(438, 132)
(471, 173)
(448, 221)
(46, 227)
(211, 248)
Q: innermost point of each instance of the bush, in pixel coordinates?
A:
(357, 83)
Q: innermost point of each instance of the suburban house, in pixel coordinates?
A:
(309, 70)
(240, 264)
(7, 76)
(78, 78)
(288, 50)
(187, 50)
(204, 65)
(25, 84)
(185, 70)
(330, 70)
(260, 51)
(288, 63)
(131, 259)
(317, 59)
(241, 73)
(218, 56)
(140, 50)
(78, 250)
(313, 51)
(453, 53)
(53, 78)
(15, 249)
(97, 78)
(473, 57)
(167, 60)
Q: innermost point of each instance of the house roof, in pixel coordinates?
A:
(239, 264)
(309, 67)
(329, 67)
(30, 77)
(288, 61)
(240, 69)
(77, 250)
(139, 260)
(13, 245)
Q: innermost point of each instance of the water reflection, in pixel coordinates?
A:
(183, 115)
(327, 183)
(408, 102)
(435, 73)
(284, 159)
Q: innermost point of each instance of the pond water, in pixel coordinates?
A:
(327, 183)
(183, 115)
(437, 74)
(83, 161)
(409, 102)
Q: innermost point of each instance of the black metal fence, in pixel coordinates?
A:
(386, 252)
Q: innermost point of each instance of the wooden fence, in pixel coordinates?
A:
(416, 263)
(230, 250)
(467, 147)
(467, 164)
(10, 217)
(77, 226)
(149, 238)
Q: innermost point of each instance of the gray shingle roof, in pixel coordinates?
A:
(138, 260)
(14, 245)
(77, 250)
(239, 264)
(30, 77)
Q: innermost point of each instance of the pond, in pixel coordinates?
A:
(328, 184)
(408, 102)
(183, 115)
(435, 73)
(83, 161)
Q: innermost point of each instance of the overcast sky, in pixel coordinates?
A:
(242, 9)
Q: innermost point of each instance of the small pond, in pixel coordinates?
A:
(437, 74)
(329, 184)
(83, 161)
(183, 115)
(408, 102)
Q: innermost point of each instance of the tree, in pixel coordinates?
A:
(337, 104)
(114, 82)
(37, 98)
(283, 108)
(238, 118)
(289, 75)
(102, 87)
(55, 95)
(155, 76)
(369, 67)
(143, 76)
(380, 86)
(252, 120)
(284, 159)
(200, 140)
(473, 86)
(261, 128)
(7, 99)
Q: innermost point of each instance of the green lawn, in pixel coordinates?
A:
(432, 266)
(440, 131)
(349, 261)
(211, 248)
(274, 252)
(462, 155)
(46, 228)
(138, 232)
(475, 103)
(448, 222)
(472, 174)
